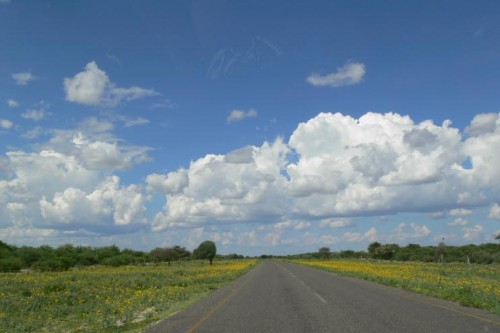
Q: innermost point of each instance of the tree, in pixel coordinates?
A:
(181, 252)
(206, 250)
(386, 251)
(167, 254)
(324, 252)
(372, 247)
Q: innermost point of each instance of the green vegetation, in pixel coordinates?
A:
(62, 258)
(488, 253)
(205, 250)
(107, 298)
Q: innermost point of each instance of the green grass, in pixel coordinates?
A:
(107, 299)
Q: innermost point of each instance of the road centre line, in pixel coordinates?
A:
(320, 298)
(305, 285)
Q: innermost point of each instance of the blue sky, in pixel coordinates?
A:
(267, 126)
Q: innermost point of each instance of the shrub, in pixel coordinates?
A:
(12, 264)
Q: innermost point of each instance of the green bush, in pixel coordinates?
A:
(120, 260)
(9, 265)
(51, 265)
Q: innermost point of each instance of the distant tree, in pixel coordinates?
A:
(348, 254)
(29, 255)
(324, 252)
(372, 247)
(497, 237)
(386, 251)
(233, 256)
(206, 250)
(169, 254)
(164, 254)
(181, 252)
(106, 252)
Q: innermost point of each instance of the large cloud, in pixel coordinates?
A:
(65, 184)
(482, 148)
(336, 166)
(93, 87)
(379, 163)
(108, 202)
(244, 185)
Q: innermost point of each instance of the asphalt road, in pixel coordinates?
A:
(287, 297)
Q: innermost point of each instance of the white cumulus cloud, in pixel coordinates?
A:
(354, 237)
(23, 78)
(474, 232)
(237, 115)
(377, 163)
(12, 103)
(93, 87)
(349, 74)
(108, 201)
(460, 212)
(35, 115)
(335, 167)
(494, 212)
(6, 124)
(483, 123)
(336, 223)
(66, 185)
(482, 149)
(405, 232)
(217, 187)
(458, 222)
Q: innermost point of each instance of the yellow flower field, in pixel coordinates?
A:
(471, 285)
(106, 299)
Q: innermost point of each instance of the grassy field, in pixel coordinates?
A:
(105, 299)
(471, 285)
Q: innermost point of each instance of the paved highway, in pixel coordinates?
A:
(287, 297)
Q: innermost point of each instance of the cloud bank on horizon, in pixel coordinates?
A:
(333, 167)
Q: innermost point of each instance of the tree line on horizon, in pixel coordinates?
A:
(46, 258)
(488, 253)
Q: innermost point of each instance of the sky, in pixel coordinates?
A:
(269, 127)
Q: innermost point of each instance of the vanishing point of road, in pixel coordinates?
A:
(285, 297)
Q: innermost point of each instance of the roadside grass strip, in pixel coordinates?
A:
(468, 284)
(108, 299)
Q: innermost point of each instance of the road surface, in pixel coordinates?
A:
(287, 297)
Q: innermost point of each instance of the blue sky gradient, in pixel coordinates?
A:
(267, 126)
